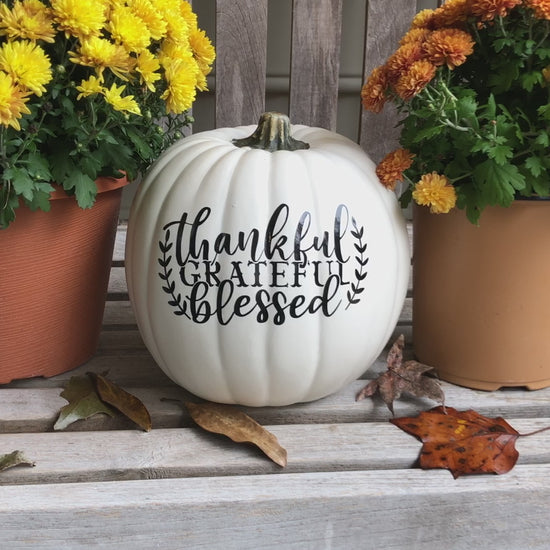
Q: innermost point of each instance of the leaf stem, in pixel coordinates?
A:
(535, 432)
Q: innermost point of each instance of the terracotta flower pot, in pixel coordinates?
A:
(54, 272)
(481, 295)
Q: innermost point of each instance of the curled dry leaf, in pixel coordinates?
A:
(238, 426)
(408, 376)
(129, 405)
(84, 402)
(92, 394)
(462, 442)
(15, 458)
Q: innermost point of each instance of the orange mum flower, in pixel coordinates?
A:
(487, 10)
(415, 35)
(452, 13)
(419, 74)
(540, 7)
(435, 191)
(449, 47)
(402, 59)
(423, 20)
(391, 168)
(373, 93)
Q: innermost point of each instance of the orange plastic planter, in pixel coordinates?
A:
(481, 295)
(54, 272)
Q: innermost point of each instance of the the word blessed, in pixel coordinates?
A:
(278, 272)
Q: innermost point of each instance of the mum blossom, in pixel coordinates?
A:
(415, 79)
(29, 19)
(451, 14)
(391, 167)
(373, 93)
(79, 18)
(145, 10)
(435, 190)
(12, 102)
(402, 59)
(448, 47)
(540, 7)
(27, 64)
(102, 54)
(128, 29)
(487, 10)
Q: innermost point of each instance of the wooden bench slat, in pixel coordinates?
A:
(64, 457)
(35, 409)
(316, 30)
(391, 508)
(241, 44)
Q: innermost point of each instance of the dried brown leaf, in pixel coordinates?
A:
(409, 377)
(15, 458)
(238, 426)
(463, 442)
(129, 405)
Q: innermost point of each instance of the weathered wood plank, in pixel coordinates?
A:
(32, 406)
(316, 31)
(241, 45)
(64, 457)
(385, 27)
(390, 509)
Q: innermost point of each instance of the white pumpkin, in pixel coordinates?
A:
(265, 277)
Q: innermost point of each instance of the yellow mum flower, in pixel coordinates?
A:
(113, 96)
(80, 18)
(203, 51)
(128, 29)
(27, 64)
(29, 19)
(177, 27)
(102, 54)
(145, 10)
(147, 66)
(12, 102)
(435, 191)
(187, 13)
(89, 87)
(181, 78)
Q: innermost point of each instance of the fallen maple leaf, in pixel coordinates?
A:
(408, 376)
(462, 442)
(15, 458)
(238, 426)
(129, 405)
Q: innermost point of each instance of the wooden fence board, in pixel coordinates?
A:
(241, 45)
(316, 29)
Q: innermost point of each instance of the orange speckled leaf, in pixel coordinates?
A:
(462, 442)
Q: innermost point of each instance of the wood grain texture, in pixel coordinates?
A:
(384, 29)
(241, 46)
(316, 31)
(394, 509)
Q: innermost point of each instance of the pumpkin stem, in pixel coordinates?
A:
(272, 134)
